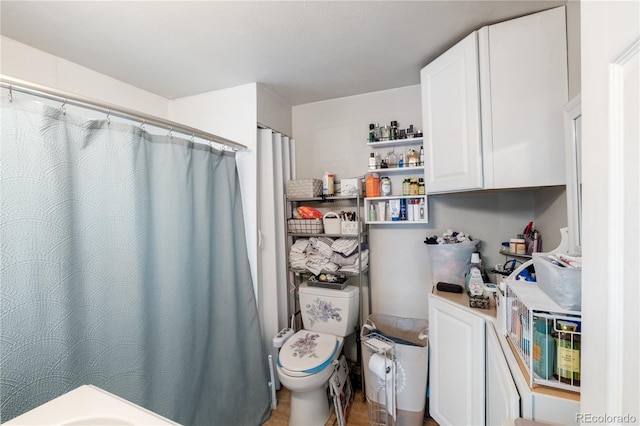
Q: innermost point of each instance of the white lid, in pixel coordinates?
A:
(347, 292)
(475, 257)
(307, 350)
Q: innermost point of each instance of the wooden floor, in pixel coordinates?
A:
(358, 414)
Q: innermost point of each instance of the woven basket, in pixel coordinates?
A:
(305, 226)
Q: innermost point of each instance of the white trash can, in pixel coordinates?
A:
(410, 336)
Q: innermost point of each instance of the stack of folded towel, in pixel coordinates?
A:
(323, 254)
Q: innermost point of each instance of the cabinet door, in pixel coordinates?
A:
(456, 372)
(451, 119)
(503, 400)
(528, 86)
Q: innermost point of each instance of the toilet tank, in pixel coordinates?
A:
(329, 310)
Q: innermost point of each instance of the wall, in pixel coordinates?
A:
(331, 136)
(230, 113)
(273, 111)
(23, 62)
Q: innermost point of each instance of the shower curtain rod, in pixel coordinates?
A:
(66, 98)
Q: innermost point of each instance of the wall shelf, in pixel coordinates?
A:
(396, 142)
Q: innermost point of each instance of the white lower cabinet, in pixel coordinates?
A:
(474, 377)
(457, 357)
(503, 399)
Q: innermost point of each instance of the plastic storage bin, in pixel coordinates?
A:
(449, 262)
(562, 284)
(411, 352)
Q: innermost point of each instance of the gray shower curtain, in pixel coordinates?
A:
(124, 265)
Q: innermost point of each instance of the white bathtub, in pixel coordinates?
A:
(89, 406)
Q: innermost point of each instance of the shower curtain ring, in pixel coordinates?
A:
(63, 107)
(142, 124)
(10, 94)
(170, 132)
(193, 138)
(109, 116)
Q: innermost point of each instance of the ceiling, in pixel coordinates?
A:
(303, 51)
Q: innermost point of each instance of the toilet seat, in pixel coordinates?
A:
(307, 352)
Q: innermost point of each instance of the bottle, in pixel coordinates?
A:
(401, 161)
(473, 281)
(422, 210)
(372, 161)
(327, 184)
(385, 186)
(544, 348)
(421, 156)
(412, 158)
(372, 185)
(377, 133)
(393, 135)
(413, 187)
(372, 135)
(372, 213)
(421, 186)
(403, 209)
(567, 366)
(406, 186)
(385, 133)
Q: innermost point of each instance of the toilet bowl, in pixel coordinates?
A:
(306, 360)
(307, 377)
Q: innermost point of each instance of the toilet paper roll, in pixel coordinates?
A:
(378, 365)
(385, 370)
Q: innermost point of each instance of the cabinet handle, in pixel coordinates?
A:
(259, 239)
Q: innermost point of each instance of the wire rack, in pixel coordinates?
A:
(381, 392)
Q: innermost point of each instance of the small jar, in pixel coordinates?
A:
(567, 366)
(421, 190)
(385, 186)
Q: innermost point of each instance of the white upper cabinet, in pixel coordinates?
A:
(451, 119)
(492, 107)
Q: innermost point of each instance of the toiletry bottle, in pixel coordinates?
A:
(372, 213)
(401, 161)
(421, 156)
(473, 281)
(372, 161)
(372, 134)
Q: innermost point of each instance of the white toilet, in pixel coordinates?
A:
(305, 362)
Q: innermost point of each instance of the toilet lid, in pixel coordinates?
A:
(307, 351)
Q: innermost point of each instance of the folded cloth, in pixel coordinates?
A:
(297, 260)
(345, 246)
(355, 267)
(323, 247)
(342, 260)
(316, 262)
(300, 245)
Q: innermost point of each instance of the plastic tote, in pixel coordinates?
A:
(449, 262)
(412, 353)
